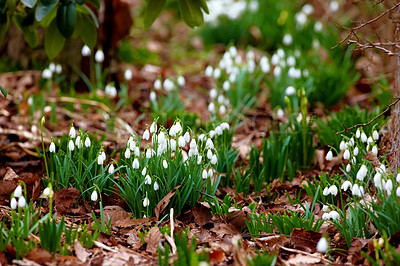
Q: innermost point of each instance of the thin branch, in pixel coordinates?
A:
(373, 119)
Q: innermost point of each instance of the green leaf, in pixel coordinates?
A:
(153, 10)
(89, 32)
(96, 22)
(204, 6)
(53, 40)
(66, 19)
(96, 3)
(191, 12)
(45, 22)
(29, 3)
(42, 10)
(28, 29)
(3, 29)
(3, 91)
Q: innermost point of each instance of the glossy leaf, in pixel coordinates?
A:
(66, 19)
(43, 10)
(3, 91)
(29, 3)
(89, 32)
(191, 12)
(153, 10)
(53, 40)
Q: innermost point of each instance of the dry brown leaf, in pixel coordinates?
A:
(116, 214)
(357, 244)
(39, 255)
(164, 202)
(225, 230)
(216, 256)
(152, 239)
(10, 175)
(302, 259)
(370, 156)
(201, 215)
(237, 218)
(65, 199)
(304, 240)
(81, 253)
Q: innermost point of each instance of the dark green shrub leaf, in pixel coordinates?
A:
(29, 3)
(66, 19)
(53, 40)
(89, 32)
(42, 10)
(191, 12)
(153, 10)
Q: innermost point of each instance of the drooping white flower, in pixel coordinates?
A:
(173, 144)
(325, 208)
(18, 191)
(87, 142)
(224, 125)
(374, 150)
(214, 159)
(334, 215)
(211, 133)
(147, 180)
(78, 142)
(181, 141)
(94, 196)
(355, 190)
(322, 245)
(135, 163)
(218, 130)
(287, 39)
(13, 203)
(210, 172)
(348, 168)
(149, 153)
(307, 9)
(370, 140)
(181, 81)
(363, 137)
(346, 185)
(209, 71)
(52, 147)
(342, 145)
(362, 172)
(226, 85)
(209, 154)
(127, 153)
(290, 91)
(47, 74)
(72, 132)
(213, 93)
(375, 135)
(351, 142)
(146, 134)
(277, 71)
(264, 64)
(209, 144)
(358, 133)
(326, 216)
(86, 51)
(47, 192)
(333, 190)
(325, 192)
(334, 6)
(204, 174)
(187, 137)
(329, 156)
(193, 144)
(389, 186)
(52, 67)
(168, 85)
(155, 186)
(355, 151)
(128, 74)
(398, 192)
(346, 155)
(71, 146)
(378, 180)
(318, 26)
(111, 169)
(21, 202)
(157, 84)
(165, 164)
(398, 178)
(99, 56)
(146, 202)
(153, 96)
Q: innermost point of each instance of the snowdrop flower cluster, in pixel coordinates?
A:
(168, 85)
(230, 8)
(333, 190)
(21, 202)
(53, 68)
(287, 64)
(111, 90)
(332, 215)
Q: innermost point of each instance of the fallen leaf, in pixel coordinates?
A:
(81, 253)
(304, 240)
(302, 259)
(152, 239)
(116, 214)
(164, 202)
(10, 174)
(201, 215)
(225, 230)
(216, 256)
(65, 199)
(357, 244)
(237, 218)
(39, 255)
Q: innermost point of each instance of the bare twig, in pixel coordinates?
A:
(373, 119)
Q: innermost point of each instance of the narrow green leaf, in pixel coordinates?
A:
(4, 28)
(53, 40)
(204, 6)
(96, 22)
(42, 10)
(29, 3)
(191, 12)
(96, 3)
(3, 91)
(153, 10)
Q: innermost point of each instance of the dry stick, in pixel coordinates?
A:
(355, 29)
(373, 119)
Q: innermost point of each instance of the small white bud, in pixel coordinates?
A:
(85, 51)
(99, 56)
(94, 196)
(144, 171)
(346, 155)
(87, 142)
(128, 74)
(181, 141)
(146, 134)
(322, 245)
(155, 186)
(18, 191)
(13, 203)
(146, 202)
(147, 180)
(214, 159)
(52, 147)
(355, 151)
(153, 127)
(333, 190)
(334, 215)
(204, 175)
(111, 168)
(135, 163)
(348, 168)
(375, 135)
(165, 164)
(342, 145)
(157, 84)
(329, 156)
(21, 202)
(127, 153)
(181, 81)
(71, 146)
(72, 132)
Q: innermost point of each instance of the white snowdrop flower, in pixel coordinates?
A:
(86, 51)
(325, 192)
(318, 26)
(342, 145)
(224, 125)
(362, 172)
(355, 151)
(146, 134)
(378, 180)
(210, 172)
(99, 56)
(213, 93)
(232, 51)
(193, 144)
(157, 84)
(218, 130)
(153, 127)
(291, 61)
(333, 190)
(155, 186)
(18, 191)
(72, 132)
(181, 81)
(275, 59)
(209, 71)
(209, 154)
(358, 133)
(281, 53)
(149, 153)
(127, 153)
(348, 168)
(290, 91)
(111, 169)
(187, 137)
(375, 150)
(52, 147)
(137, 151)
(168, 85)
(201, 137)
(135, 163)
(326, 216)
(280, 113)
(78, 142)
(13, 203)
(103, 155)
(209, 144)
(264, 64)
(287, 39)
(375, 135)
(346, 155)
(308, 9)
(398, 192)
(322, 245)
(211, 107)
(211, 133)
(222, 110)
(353, 160)
(232, 77)
(21, 202)
(329, 156)
(217, 73)
(363, 137)
(238, 60)
(181, 141)
(382, 167)
(351, 142)
(334, 6)
(94, 196)
(250, 55)
(370, 140)
(71, 146)
(58, 69)
(251, 66)
(316, 44)
(325, 208)
(214, 159)
(147, 180)
(389, 186)
(334, 215)
(226, 85)
(128, 74)
(173, 144)
(161, 138)
(47, 192)
(346, 185)
(165, 164)
(146, 202)
(301, 19)
(204, 174)
(100, 159)
(144, 171)
(87, 142)
(30, 101)
(398, 178)
(199, 159)
(111, 90)
(277, 71)
(355, 190)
